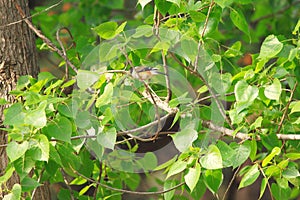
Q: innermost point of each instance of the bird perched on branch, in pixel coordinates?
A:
(144, 73)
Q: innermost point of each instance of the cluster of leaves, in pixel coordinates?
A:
(44, 123)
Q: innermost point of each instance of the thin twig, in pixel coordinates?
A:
(67, 184)
(128, 191)
(202, 34)
(39, 179)
(231, 182)
(197, 74)
(35, 14)
(286, 108)
(44, 38)
(268, 184)
(167, 77)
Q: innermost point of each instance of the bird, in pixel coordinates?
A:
(144, 72)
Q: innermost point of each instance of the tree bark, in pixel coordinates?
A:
(17, 58)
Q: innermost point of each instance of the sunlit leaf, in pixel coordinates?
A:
(14, 115)
(250, 176)
(275, 151)
(192, 177)
(212, 159)
(106, 97)
(273, 91)
(15, 193)
(176, 168)
(16, 150)
(271, 46)
(143, 3)
(263, 186)
(86, 79)
(107, 138)
(184, 138)
(295, 107)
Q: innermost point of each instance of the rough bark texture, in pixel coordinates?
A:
(17, 58)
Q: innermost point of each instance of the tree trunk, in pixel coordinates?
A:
(17, 58)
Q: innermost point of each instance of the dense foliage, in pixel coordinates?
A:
(232, 73)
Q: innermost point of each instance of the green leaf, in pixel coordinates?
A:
(189, 47)
(176, 168)
(143, 3)
(23, 82)
(251, 176)
(245, 94)
(15, 150)
(263, 186)
(253, 150)
(213, 180)
(86, 79)
(275, 151)
(212, 159)
(121, 27)
(85, 189)
(197, 16)
(43, 145)
(224, 3)
(37, 117)
(257, 123)
(106, 97)
(60, 128)
(167, 185)
(83, 120)
(273, 170)
(3, 101)
(192, 177)
(166, 164)
(242, 152)
(291, 173)
(66, 109)
(239, 21)
(293, 156)
(149, 161)
(273, 91)
(271, 46)
(14, 115)
(28, 184)
(160, 46)
(234, 50)
(45, 76)
(184, 138)
(143, 30)
(109, 30)
(107, 138)
(226, 152)
(15, 193)
(280, 193)
(295, 107)
(177, 2)
(9, 170)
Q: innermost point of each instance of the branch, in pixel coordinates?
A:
(244, 136)
(286, 108)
